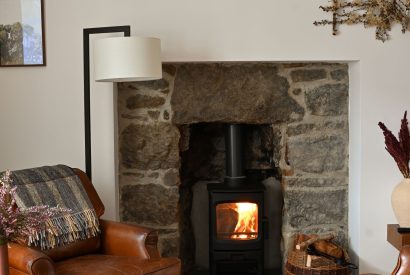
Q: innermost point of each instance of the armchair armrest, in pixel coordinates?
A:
(129, 240)
(30, 261)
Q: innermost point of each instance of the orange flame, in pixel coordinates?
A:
(247, 221)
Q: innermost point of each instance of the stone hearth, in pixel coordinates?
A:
(303, 105)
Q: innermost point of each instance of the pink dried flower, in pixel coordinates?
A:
(18, 224)
(399, 149)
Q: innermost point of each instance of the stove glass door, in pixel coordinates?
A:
(237, 221)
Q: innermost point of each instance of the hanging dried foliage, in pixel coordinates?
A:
(381, 14)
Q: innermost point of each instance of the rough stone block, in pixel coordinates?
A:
(277, 143)
(169, 69)
(328, 100)
(313, 207)
(168, 245)
(143, 101)
(171, 177)
(315, 181)
(339, 74)
(317, 154)
(295, 65)
(185, 135)
(251, 93)
(153, 175)
(153, 114)
(303, 127)
(307, 75)
(153, 146)
(134, 175)
(150, 204)
(259, 147)
(155, 85)
(140, 118)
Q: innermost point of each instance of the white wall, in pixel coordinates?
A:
(41, 109)
(10, 12)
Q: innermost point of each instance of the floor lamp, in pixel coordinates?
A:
(117, 59)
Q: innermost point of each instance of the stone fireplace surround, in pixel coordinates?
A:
(305, 106)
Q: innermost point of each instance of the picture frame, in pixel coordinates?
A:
(22, 39)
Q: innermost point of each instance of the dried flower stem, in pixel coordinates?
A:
(399, 149)
(18, 224)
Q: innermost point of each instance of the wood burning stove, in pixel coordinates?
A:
(236, 209)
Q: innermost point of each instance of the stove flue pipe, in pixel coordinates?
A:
(234, 158)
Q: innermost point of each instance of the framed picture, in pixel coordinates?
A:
(22, 33)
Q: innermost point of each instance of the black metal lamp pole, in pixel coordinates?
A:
(87, 117)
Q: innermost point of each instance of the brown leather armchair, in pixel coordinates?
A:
(403, 262)
(120, 249)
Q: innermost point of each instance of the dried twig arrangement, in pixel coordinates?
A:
(399, 149)
(381, 14)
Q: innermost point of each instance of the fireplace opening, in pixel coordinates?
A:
(226, 173)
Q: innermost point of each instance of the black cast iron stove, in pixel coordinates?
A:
(237, 219)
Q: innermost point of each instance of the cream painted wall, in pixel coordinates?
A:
(41, 109)
(10, 11)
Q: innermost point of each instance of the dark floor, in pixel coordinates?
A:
(267, 272)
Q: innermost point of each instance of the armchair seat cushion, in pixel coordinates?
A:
(115, 265)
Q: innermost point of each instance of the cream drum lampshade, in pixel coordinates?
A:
(120, 59)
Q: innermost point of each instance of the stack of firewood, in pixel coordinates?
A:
(317, 254)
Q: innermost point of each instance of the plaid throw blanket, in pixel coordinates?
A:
(57, 186)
